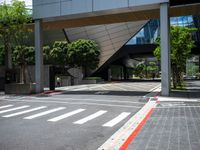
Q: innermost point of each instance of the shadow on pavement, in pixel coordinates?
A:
(192, 90)
(117, 93)
(186, 94)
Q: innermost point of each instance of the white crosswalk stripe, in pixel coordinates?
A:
(44, 113)
(6, 106)
(66, 115)
(88, 118)
(24, 112)
(116, 120)
(97, 114)
(12, 109)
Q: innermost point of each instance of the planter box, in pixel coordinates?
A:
(18, 88)
(92, 81)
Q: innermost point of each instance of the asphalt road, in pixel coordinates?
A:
(80, 117)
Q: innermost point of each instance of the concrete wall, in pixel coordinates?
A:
(77, 73)
(55, 8)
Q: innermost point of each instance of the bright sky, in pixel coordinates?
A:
(28, 2)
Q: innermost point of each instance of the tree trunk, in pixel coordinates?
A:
(23, 74)
(174, 76)
(8, 52)
(29, 75)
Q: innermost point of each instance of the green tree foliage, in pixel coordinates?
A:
(23, 56)
(58, 55)
(192, 70)
(152, 68)
(13, 20)
(181, 45)
(46, 54)
(84, 53)
(139, 70)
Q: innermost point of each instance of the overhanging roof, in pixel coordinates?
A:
(180, 10)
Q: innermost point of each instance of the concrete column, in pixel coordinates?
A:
(39, 68)
(165, 49)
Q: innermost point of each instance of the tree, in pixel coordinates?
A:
(46, 54)
(84, 53)
(23, 56)
(139, 70)
(58, 55)
(152, 68)
(13, 20)
(181, 45)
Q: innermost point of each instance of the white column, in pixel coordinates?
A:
(165, 49)
(39, 78)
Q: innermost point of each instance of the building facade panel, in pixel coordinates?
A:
(111, 4)
(63, 8)
(75, 6)
(46, 10)
(110, 38)
(145, 2)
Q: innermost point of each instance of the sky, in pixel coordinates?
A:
(28, 2)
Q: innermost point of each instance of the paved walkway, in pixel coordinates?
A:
(174, 124)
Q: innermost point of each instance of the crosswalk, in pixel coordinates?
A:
(11, 111)
(90, 117)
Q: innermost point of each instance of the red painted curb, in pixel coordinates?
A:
(136, 131)
(52, 91)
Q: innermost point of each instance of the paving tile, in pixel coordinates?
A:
(172, 128)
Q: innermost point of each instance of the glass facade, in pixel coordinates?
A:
(149, 33)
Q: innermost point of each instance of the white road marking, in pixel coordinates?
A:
(155, 89)
(90, 117)
(44, 113)
(119, 137)
(16, 108)
(6, 106)
(116, 120)
(66, 115)
(118, 87)
(93, 100)
(72, 103)
(24, 112)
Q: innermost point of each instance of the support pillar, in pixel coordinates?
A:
(165, 49)
(39, 78)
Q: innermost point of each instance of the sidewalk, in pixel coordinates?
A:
(174, 124)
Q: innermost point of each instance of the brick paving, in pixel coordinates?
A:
(171, 128)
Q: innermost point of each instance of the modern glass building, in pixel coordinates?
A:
(151, 30)
(141, 46)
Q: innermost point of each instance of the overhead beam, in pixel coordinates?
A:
(121, 17)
